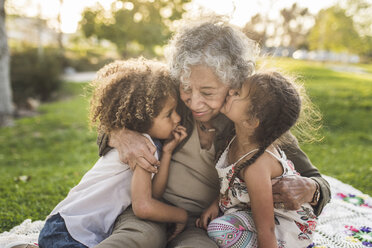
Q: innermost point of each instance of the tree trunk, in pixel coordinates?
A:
(6, 105)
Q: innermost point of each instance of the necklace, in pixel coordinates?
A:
(205, 129)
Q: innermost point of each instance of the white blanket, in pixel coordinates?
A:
(345, 222)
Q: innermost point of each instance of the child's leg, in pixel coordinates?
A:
(234, 230)
(55, 234)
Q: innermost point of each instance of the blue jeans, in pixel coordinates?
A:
(54, 234)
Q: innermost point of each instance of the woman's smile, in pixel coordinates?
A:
(199, 113)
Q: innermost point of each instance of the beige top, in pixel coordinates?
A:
(193, 180)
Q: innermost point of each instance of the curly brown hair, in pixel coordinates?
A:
(130, 94)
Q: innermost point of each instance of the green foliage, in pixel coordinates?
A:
(361, 11)
(87, 59)
(290, 28)
(335, 31)
(35, 74)
(135, 26)
(52, 150)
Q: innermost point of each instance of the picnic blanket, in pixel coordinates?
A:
(345, 222)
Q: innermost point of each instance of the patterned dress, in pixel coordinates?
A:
(236, 227)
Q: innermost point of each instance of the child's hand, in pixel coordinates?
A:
(207, 216)
(179, 134)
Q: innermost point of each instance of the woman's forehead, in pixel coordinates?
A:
(203, 77)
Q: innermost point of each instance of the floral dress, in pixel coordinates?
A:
(236, 228)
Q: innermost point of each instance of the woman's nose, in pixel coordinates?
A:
(195, 101)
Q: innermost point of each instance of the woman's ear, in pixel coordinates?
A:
(233, 92)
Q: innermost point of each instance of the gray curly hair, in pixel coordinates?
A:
(213, 42)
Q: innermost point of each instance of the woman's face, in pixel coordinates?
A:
(205, 93)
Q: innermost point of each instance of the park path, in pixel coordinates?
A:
(82, 77)
(79, 77)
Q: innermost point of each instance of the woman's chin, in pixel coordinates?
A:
(225, 109)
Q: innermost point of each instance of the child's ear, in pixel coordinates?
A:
(252, 123)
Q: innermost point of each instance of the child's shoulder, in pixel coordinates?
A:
(112, 157)
(268, 163)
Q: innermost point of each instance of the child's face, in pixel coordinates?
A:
(236, 105)
(167, 120)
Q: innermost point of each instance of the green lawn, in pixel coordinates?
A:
(345, 101)
(42, 157)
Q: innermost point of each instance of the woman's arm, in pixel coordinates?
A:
(146, 207)
(257, 178)
(296, 190)
(134, 148)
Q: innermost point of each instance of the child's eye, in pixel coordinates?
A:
(169, 114)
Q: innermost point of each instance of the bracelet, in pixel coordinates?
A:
(316, 195)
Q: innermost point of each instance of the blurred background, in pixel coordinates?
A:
(49, 39)
(51, 49)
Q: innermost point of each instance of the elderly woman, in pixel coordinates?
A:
(209, 57)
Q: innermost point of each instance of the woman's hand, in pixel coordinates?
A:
(134, 149)
(208, 215)
(292, 191)
(179, 134)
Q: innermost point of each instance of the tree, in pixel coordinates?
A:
(360, 11)
(289, 30)
(6, 106)
(256, 29)
(335, 31)
(134, 26)
(293, 25)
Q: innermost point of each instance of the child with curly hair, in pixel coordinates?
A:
(263, 111)
(138, 94)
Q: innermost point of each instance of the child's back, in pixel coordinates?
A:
(91, 207)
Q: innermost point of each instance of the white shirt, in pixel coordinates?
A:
(91, 207)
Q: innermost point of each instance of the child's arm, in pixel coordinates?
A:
(257, 178)
(159, 182)
(146, 207)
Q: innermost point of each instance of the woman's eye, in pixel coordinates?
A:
(206, 93)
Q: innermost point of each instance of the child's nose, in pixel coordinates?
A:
(176, 118)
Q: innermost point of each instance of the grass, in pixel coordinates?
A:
(44, 156)
(345, 101)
